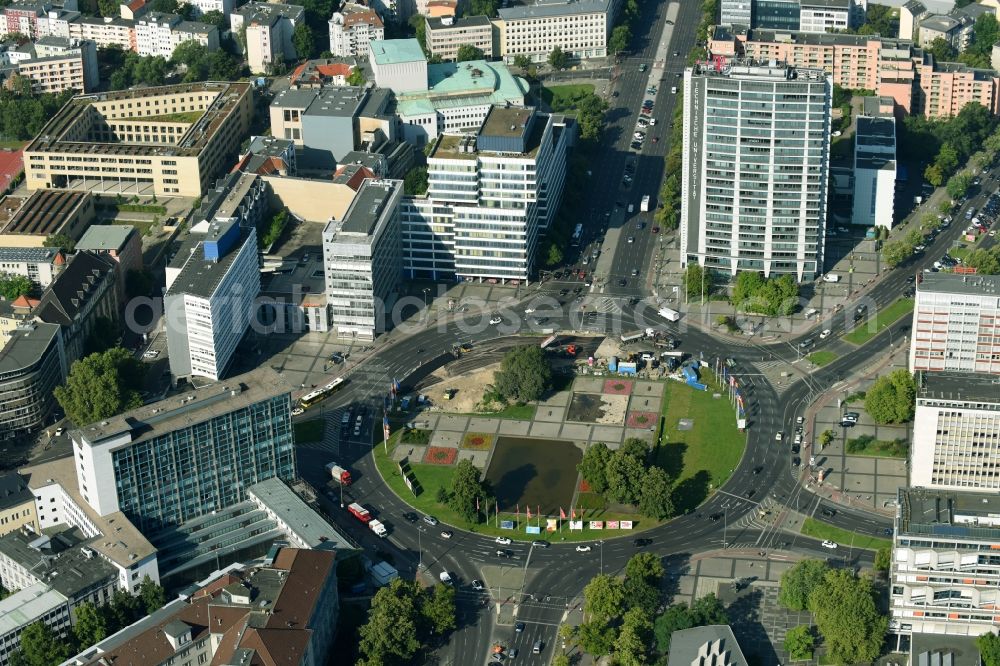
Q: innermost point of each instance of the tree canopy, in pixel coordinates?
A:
(415, 181)
(403, 617)
(524, 374)
(40, 646)
(593, 466)
(704, 611)
(845, 613)
(985, 261)
(558, 58)
(101, 385)
(204, 65)
(892, 398)
(467, 491)
(469, 52)
(12, 286)
(620, 38)
(798, 583)
(487, 8)
(767, 296)
(989, 649)
(23, 113)
(304, 41)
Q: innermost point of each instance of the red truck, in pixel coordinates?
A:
(339, 474)
(360, 512)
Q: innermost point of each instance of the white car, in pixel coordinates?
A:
(778, 436)
(529, 310)
(59, 431)
(477, 585)
(652, 121)
(297, 411)
(798, 439)
(583, 549)
(150, 353)
(445, 578)
(503, 541)
(495, 320)
(825, 334)
(638, 136)
(447, 534)
(829, 544)
(631, 239)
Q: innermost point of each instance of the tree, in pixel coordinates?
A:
(91, 626)
(883, 558)
(891, 399)
(524, 374)
(124, 609)
(642, 580)
(708, 610)
(629, 649)
(419, 25)
(798, 583)
(604, 597)
(40, 646)
(109, 8)
(620, 38)
(593, 467)
(391, 631)
(438, 608)
(844, 610)
(187, 11)
(216, 18)
(554, 255)
(522, 62)
(799, 642)
(487, 8)
(61, 241)
(469, 52)
(561, 660)
(101, 385)
(625, 474)
(597, 637)
(655, 495)
(590, 116)
(12, 286)
(989, 649)
(466, 491)
(958, 185)
(941, 49)
(104, 335)
(558, 58)
(415, 181)
(644, 566)
(767, 296)
(896, 252)
(357, 78)
(697, 281)
(986, 262)
(933, 175)
(303, 40)
(152, 595)
(676, 618)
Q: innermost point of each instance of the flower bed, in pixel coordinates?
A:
(640, 419)
(584, 486)
(617, 387)
(477, 440)
(440, 455)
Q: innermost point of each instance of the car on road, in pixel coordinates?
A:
(799, 420)
(798, 439)
(297, 411)
(656, 139)
(446, 578)
(655, 230)
(715, 517)
(750, 493)
(447, 534)
(410, 517)
(537, 647)
(829, 513)
(503, 552)
(150, 353)
(631, 239)
(796, 462)
(641, 543)
(825, 334)
(528, 310)
(758, 469)
(477, 585)
(583, 549)
(623, 282)
(652, 122)
(540, 543)
(635, 272)
(60, 430)
(643, 67)
(829, 544)
(495, 320)
(730, 362)
(518, 627)
(636, 145)
(431, 520)
(503, 541)
(637, 136)
(778, 436)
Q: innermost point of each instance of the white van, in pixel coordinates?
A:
(811, 312)
(831, 277)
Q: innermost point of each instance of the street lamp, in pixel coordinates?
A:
(601, 542)
(420, 550)
(426, 290)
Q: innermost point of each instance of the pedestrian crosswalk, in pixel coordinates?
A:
(608, 304)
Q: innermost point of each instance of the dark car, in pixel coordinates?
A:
(519, 627)
(758, 469)
(750, 493)
(796, 462)
(622, 282)
(640, 543)
(410, 517)
(795, 448)
(829, 513)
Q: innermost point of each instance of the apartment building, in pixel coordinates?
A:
(204, 6)
(284, 608)
(213, 282)
(945, 573)
(17, 504)
(362, 260)
(158, 34)
(352, 29)
(111, 144)
(23, 16)
(580, 28)
(956, 324)
(32, 364)
(490, 194)
(893, 68)
(911, 13)
(105, 31)
(777, 14)
(875, 164)
(755, 168)
(956, 432)
(189, 455)
(61, 64)
(446, 35)
(56, 23)
(39, 264)
(269, 27)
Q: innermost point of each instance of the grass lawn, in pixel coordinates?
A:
(309, 431)
(821, 358)
(515, 412)
(565, 98)
(432, 477)
(866, 445)
(12, 144)
(820, 530)
(866, 330)
(701, 459)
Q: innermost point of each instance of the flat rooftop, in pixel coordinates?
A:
(368, 206)
(437, 23)
(506, 121)
(28, 605)
(943, 650)
(550, 8)
(761, 70)
(122, 543)
(200, 277)
(26, 346)
(822, 39)
(880, 131)
(454, 85)
(954, 283)
(45, 212)
(949, 513)
(960, 387)
(396, 51)
(290, 510)
(16, 255)
(105, 237)
(64, 561)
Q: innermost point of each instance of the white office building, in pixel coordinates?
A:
(945, 571)
(755, 168)
(875, 164)
(956, 432)
(158, 34)
(825, 15)
(735, 12)
(956, 324)
(489, 195)
(214, 280)
(362, 260)
(580, 28)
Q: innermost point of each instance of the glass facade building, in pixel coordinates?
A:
(776, 14)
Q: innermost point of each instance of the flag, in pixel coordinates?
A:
(385, 426)
(477, 504)
(562, 514)
(528, 509)
(395, 385)
(572, 513)
(518, 514)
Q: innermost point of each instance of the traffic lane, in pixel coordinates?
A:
(853, 520)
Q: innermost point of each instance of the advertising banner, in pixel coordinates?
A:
(551, 524)
(597, 524)
(576, 524)
(533, 529)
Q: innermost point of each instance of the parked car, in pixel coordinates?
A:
(829, 544)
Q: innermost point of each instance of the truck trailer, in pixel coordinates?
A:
(669, 315)
(339, 474)
(378, 528)
(359, 512)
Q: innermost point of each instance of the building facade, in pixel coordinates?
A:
(735, 12)
(31, 366)
(825, 15)
(398, 64)
(755, 169)
(158, 34)
(182, 458)
(35, 603)
(352, 29)
(362, 260)
(268, 33)
(956, 324)
(875, 164)
(41, 265)
(17, 505)
(213, 285)
(61, 64)
(446, 35)
(581, 29)
(945, 574)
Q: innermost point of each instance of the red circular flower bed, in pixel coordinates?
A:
(617, 387)
(475, 440)
(640, 419)
(440, 455)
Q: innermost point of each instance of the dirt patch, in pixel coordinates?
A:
(468, 389)
(595, 408)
